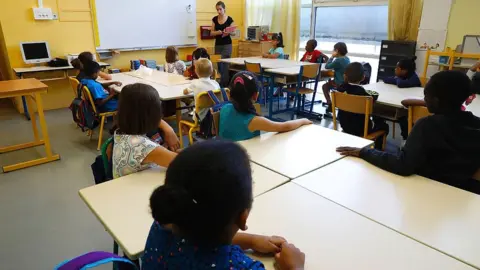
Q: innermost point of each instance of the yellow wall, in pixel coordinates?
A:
(76, 36)
(463, 21)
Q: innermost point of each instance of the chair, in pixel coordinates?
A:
(102, 116)
(258, 70)
(74, 83)
(415, 113)
(307, 73)
(202, 101)
(216, 117)
(215, 59)
(356, 104)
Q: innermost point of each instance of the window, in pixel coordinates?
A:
(305, 23)
(362, 28)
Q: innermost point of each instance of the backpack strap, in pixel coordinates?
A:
(214, 98)
(224, 94)
(92, 259)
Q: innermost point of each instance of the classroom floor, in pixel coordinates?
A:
(43, 221)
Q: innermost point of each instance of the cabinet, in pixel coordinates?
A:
(250, 48)
(391, 52)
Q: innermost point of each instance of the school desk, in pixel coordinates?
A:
(266, 63)
(437, 215)
(173, 92)
(20, 72)
(32, 89)
(122, 205)
(333, 237)
(301, 151)
(391, 95)
(163, 78)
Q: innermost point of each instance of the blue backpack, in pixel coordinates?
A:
(83, 113)
(93, 259)
(206, 125)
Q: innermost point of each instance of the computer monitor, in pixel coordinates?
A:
(35, 52)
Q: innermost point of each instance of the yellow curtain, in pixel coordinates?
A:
(404, 19)
(282, 16)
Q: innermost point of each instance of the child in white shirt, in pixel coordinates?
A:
(173, 65)
(204, 70)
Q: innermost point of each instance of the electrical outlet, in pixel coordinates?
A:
(55, 16)
(43, 14)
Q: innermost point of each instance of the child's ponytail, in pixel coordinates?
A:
(171, 205)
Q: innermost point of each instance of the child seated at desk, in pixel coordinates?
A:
(139, 112)
(353, 123)
(197, 54)
(198, 212)
(312, 55)
(405, 75)
(105, 100)
(276, 52)
(79, 62)
(173, 65)
(204, 70)
(239, 121)
(443, 147)
(338, 62)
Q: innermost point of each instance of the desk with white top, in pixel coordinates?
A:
(266, 63)
(438, 215)
(301, 151)
(333, 237)
(114, 203)
(391, 95)
(163, 78)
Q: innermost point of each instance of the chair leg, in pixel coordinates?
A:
(393, 130)
(180, 135)
(100, 132)
(313, 101)
(190, 136)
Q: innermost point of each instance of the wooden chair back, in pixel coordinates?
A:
(310, 71)
(253, 67)
(216, 117)
(74, 83)
(353, 104)
(415, 113)
(203, 100)
(215, 58)
(88, 96)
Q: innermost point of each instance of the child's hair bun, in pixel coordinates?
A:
(414, 58)
(171, 204)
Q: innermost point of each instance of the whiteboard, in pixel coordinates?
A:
(144, 24)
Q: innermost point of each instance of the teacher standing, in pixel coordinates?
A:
(223, 41)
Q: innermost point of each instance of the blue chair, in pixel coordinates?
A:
(257, 69)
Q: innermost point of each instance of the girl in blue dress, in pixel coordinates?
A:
(206, 199)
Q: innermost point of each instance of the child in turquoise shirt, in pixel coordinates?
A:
(239, 121)
(338, 62)
(276, 52)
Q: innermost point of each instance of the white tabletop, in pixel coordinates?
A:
(440, 216)
(165, 92)
(163, 78)
(266, 63)
(47, 68)
(300, 151)
(391, 95)
(111, 202)
(288, 71)
(333, 237)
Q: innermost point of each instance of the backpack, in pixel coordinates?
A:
(368, 73)
(102, 167)
(83, 113)
(93, 259)
(206, 125)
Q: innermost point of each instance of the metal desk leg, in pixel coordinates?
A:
(270, 95)
(25, 108)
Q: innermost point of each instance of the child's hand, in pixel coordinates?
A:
(118, 83)
(290, 258)
(334, 54)
(171, 140)
(305, 121)
(349, 151)
(185, 91)
(266, 244)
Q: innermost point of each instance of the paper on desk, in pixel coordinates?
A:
(143, 71)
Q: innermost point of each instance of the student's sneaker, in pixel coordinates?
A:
(328, 111)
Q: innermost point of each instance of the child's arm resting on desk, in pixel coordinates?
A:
(410, 158)
(160, 156)
(259, 243)
(264, 124)
(413, 102)
(105, 76)
(332, 64)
